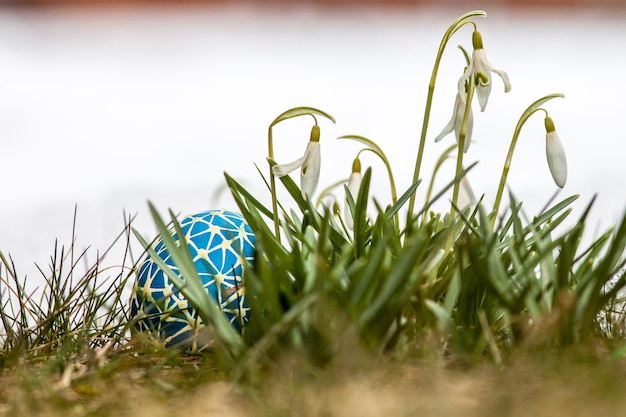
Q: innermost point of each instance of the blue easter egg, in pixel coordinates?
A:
(218, 241)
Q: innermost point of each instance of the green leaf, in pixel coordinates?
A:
(445, 189)
(365, 283)
(444, 319)
(395, 207)
(235, 187)
(306, 207)
(400, 274)
(549, 214)
(361, 229)
(301, 111)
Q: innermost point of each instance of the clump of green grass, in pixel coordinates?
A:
(77, 302)
(481, 281)
(335, 290)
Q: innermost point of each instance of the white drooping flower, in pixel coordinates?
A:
(481, 68)
(555, 153)
(309, 165)
(354, 184)
(454, 125)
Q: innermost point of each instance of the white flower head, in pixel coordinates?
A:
(555, 154)
(354, 184)
(309, 165)
(481, 68)
(454, 125)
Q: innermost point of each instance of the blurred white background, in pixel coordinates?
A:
(107, 108)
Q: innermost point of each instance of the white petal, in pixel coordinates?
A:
(347, 215)
(486, 65)
(310, 172)
(466, 194)
(483, 66)
(458, 119)
(452, 124)
(468, 131)
(505, 79)
(284, 169)
(556, 158)
(354, 184)
(461, 84)
(482, 92)
(446, 130)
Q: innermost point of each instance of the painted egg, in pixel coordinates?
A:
(219, 241)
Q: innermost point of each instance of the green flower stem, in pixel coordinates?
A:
(532, 109)
(270, 157)
(456, 25)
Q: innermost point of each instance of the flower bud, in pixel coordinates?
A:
(555, 154)
(354, 184)
(309, 165)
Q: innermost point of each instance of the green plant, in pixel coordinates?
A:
(471, 283)
(481, 286)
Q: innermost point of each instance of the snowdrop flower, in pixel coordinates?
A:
(454, 125)
(309, 165)
(482, 69)
(354, 184)
(555, 154)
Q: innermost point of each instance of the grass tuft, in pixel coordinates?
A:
(475, 309)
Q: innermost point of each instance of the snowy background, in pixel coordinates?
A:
(109, 108)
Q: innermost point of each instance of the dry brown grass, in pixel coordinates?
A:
(548, 386)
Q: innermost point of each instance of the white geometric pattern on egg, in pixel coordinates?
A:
(218, 241)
